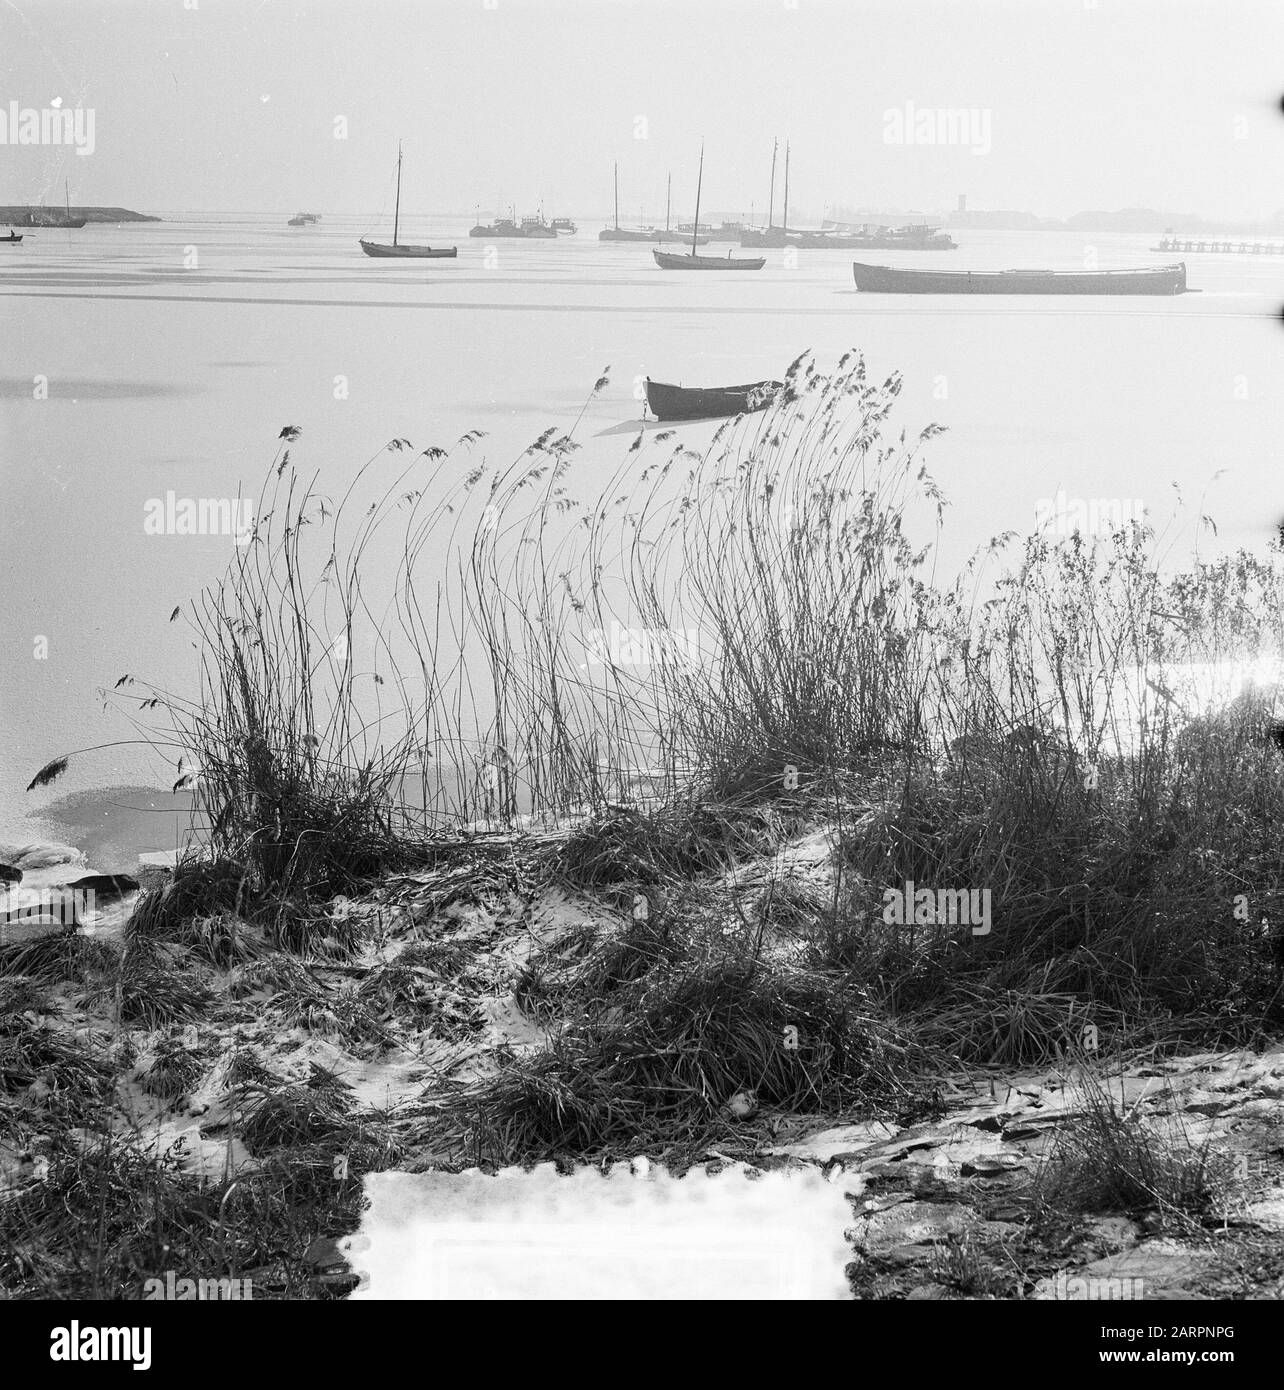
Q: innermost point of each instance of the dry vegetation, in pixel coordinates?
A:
(1023, 730)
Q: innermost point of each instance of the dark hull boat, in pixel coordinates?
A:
(507, 228)
(883, 279)
(669, 260)
(13, 237)
(397, 249)
(401, 250)
(658, 237)
(654, 235)
(44, 217)
(695, 403)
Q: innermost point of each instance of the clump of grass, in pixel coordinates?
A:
(174, 1073)
(21, 994)
(199, 888)
(159, 985)
(68, 1070)
(112, 1214)
(679, 1044)
(222, 939)
(444, 959)
(647, 847)
(64, 957)
(312, 1113)
(960, 1263)
(586, 966)
(1111, 1159)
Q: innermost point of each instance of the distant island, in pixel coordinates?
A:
(17, 212)
(1149, 220)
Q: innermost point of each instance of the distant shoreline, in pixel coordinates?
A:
(16, 212)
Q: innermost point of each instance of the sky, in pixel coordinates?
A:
(276, 105)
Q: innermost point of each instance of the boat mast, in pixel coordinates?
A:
(771, 206)
(695, 228)
(66, 193)
(668, 203)
(617, 195)
(784, 217)
(396, 216)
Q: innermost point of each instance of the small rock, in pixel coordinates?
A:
(105, 887)
(991, 1165)
(742, 1105)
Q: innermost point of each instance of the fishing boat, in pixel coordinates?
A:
(43, 217)
(563, 226)
(650, 234)
(668, 260)
(771, 235)
(13, 238)
(884, 279)
(669, 402)
(398, 248)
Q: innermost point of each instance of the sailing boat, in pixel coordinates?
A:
(772, 235)
(381, 248)
(42, 217)
(668, 260)
(618, 233)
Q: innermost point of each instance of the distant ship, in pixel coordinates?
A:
(399, 249)
(528, 229)
(44, 217)
(563, 226)
(724, 231)
(303, 219)
(650, 234)
(771, 235)
(913, 238)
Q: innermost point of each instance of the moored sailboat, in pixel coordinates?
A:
(668, 260)
(43, 217)
(399, 248)
(649, 234)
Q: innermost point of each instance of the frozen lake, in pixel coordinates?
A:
(174, 353)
